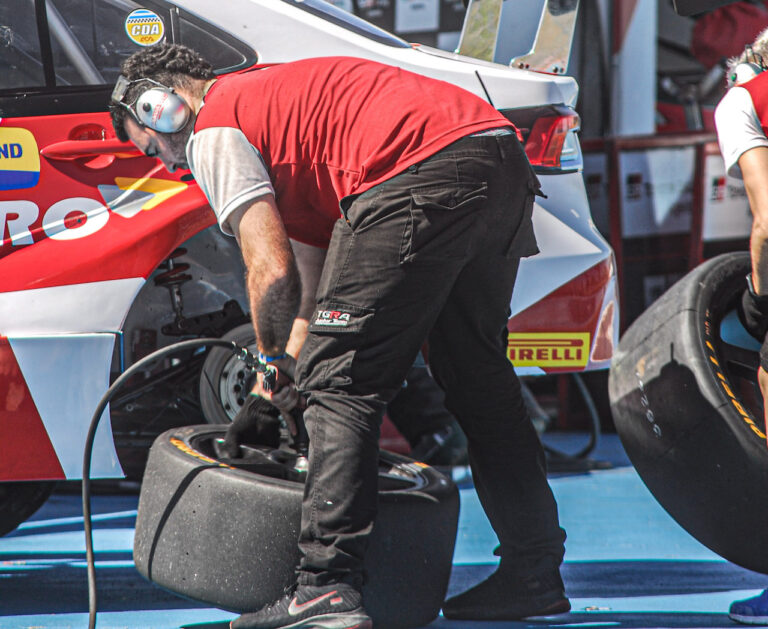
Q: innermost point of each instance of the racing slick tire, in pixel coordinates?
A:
(20, 500)
(224, 531)
(687, 407)
(222, 379)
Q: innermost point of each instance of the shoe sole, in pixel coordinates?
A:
(560, 606)
(749, 620)
(332, 621)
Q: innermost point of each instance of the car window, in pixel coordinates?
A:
(89, 39)
(19, 47)
(340, 17)
(221, 51)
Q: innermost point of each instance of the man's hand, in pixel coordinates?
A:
(256, 423)
(284, 396)
(753, 314)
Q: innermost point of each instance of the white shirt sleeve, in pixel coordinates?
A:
(229, 169)
(738, 128)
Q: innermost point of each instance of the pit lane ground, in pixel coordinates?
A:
(627, 563)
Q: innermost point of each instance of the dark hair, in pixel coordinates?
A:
(173, 65)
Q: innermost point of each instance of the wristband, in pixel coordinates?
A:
(265, 360)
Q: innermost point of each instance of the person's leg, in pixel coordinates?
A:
(468, 358)
(506, 456)
(508, 466)
(418, 412)
(351, 372)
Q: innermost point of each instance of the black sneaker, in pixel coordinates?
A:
(336, 606)
(504, 596)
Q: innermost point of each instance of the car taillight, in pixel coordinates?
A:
(549, 136)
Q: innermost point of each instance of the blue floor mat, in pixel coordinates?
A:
(627, 563)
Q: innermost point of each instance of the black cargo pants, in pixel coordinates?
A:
(431, 253)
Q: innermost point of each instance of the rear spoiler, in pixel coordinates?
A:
(552, 45)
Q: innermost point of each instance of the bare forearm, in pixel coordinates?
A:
(274, 305)
(273, 281)
(758, 246)
(754, 168)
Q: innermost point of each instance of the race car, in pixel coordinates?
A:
(106, 256)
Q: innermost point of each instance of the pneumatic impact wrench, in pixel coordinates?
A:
(271, 382)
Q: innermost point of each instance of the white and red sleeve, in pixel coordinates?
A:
(229, 169)
(738, 128)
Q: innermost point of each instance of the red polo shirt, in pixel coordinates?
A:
(317, 130)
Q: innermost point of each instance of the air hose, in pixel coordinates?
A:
(164, 352)
(594, 435)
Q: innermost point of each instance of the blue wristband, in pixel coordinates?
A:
(265, 360)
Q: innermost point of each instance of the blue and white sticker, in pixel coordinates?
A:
(144, 27)
(19, 159)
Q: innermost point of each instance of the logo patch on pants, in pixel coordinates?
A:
(333, 318)
(339, 318)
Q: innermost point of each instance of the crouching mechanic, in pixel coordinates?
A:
(423, 196)
(741, 119)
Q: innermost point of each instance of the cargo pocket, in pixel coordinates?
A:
(523, 243)
(329, 351)
(440, 221)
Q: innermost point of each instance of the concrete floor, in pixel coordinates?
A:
(627, 563)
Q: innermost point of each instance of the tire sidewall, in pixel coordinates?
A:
(684, 423)
(720, 288)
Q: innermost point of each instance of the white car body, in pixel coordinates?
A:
(75, 303)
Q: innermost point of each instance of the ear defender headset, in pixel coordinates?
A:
(747, 69)
(159, 107)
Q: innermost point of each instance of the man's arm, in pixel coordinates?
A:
(274, 286)
(285, 282)
(754, 168)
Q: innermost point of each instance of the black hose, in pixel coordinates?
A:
(594, 434)
(116, 385)
(594, 416)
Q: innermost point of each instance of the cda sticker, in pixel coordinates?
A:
(144, 27)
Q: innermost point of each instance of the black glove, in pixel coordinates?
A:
(257, 423)
(753, 313)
